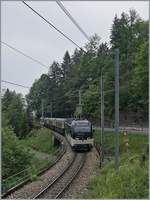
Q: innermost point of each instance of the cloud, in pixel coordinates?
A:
(24, 30)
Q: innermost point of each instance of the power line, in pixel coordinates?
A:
(72, 19)
(48, 22)
(15, 84)
(18, 51)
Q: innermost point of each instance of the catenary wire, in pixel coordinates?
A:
(72, 19)
(11, 47)
(12, 83)
(48, 22)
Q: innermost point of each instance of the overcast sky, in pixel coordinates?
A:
(27, 32)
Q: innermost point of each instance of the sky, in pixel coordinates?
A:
(24, 30)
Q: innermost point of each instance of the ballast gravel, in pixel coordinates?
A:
(80, 183)
(31, 189)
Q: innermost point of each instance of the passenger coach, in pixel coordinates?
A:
(78, 132)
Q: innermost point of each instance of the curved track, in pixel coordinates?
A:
(60, 184)
(18, 186)
(60, 176)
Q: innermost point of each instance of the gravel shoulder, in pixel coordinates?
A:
(43, 156)
(80, 184)
(29, 190)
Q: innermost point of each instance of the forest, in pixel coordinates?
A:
(81, 71)
(59, 88)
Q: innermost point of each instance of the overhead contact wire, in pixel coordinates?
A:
(48, 22)
(72, 19)
(20, 52)
(15, 84)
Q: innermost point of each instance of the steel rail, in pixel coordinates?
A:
(71, 180)
(58, 179)
(27, 180)
(55, 180)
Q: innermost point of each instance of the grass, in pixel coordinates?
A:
(132, 179)
(39, 141)
(137, 142)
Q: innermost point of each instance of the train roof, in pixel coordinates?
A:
(79, 122)
(56, 119)
(60, 119)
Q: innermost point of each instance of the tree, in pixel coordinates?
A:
(55, 72)
(93, 45)
(15, 157)
(83, 70)
(139, 83)
(14, 113)
(66, 64)
(128, 34)
(76, 56)
(42, 89)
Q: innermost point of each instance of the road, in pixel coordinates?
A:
(132, 130)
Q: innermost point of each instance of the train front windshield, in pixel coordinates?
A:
(82, 128)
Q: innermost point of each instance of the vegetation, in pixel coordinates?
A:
(15, 157)
(132, 178)
(131, 182)
(59, 87)
(137, 141)
(19, 161)
(15, 114)
(40, 140)
(23, 159)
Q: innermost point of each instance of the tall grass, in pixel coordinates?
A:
(137, 142)
(131, 181)
(40, 140)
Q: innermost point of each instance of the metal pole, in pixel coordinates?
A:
(117, 109)
(80, 103)
(51, 110)
(102, 117)
(42, 108)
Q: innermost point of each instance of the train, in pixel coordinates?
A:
(78, 132)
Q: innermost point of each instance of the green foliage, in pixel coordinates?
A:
(130, 182)
(139, 84)
(128, 34)
(14, 113)
(15, 157)
(93, 45)
(90, 103)
(132, 178)
(41, 89)
(82, 71)
(24, 159)
(66, 64)
(137, 141)
(40, 140)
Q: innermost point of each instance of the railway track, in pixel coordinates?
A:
(55, 185)
(27, 180)
(59, 185)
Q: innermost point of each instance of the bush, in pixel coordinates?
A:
(40, 140)
(15, 157)
(130, 182)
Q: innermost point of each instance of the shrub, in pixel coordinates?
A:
(40, 140)
(15, 157)
(130, 182)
